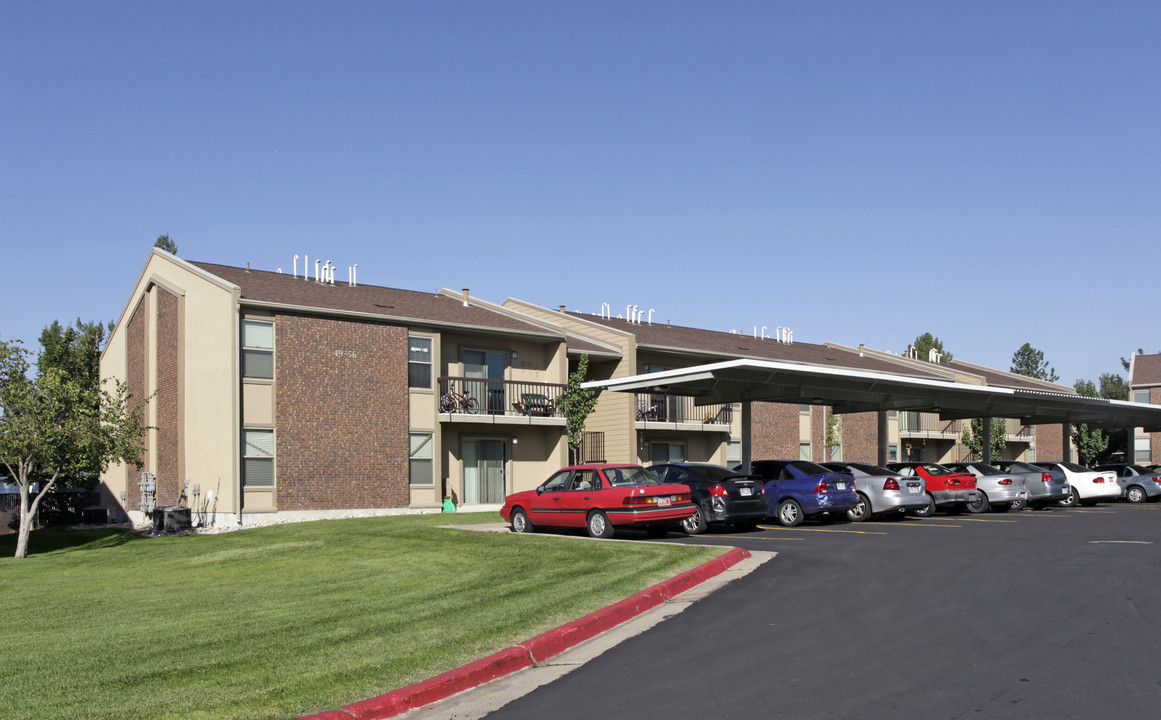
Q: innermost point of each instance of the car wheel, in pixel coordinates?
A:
(694, 524)
(1135, 494)
(520, 522)
(861, 511)
(1016, 505)
(929, 510)
(1072, 500)
(980, 505)
(599, 526)
(789, 514)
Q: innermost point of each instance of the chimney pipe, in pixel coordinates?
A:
(562, 308)
(466, 297)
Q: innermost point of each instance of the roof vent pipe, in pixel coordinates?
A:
(650, 316)
(562, 308)
(629, 313)
(606, 311)
(466, 297)
(637, 314)
(306, 267)
(295, 266)
(764, 332)
(317, 263)
(355, 275)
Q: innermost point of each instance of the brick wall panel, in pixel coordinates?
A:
(774, 431)
(860, 436)
(342, 414)
(170, 484)
(136, 389)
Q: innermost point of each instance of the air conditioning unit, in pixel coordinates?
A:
(173, 518)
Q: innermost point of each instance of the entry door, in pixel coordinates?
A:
(487, 368)
(485, 463)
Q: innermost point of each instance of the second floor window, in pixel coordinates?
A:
(258, 349)
(418, 362)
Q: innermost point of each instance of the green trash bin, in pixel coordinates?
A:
(448, 505)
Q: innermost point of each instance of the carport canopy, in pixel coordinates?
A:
(851, 391)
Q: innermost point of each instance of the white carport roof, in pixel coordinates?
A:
(849, 391)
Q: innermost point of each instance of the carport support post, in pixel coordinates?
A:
(746, 425)
(883, 437)
(1066, 430)
(986, 450)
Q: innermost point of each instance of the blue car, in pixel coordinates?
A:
(797, 489)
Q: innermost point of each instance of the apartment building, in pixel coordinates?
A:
(1145, 387)
(290, 395)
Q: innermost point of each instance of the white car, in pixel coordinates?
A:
(1088, 486)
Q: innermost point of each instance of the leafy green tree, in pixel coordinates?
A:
(1030, 362)
(927, 342)
(166, 244)
(1089, 443)
(576, 404)
(1113, 387)
(973, 437)
(50, 425)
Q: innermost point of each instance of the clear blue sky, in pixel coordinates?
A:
(862, 172)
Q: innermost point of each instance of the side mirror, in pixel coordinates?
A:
(540, 490)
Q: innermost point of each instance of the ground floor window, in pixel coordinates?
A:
(420, 467)
(892, 453)
(666, 452)
(485, 471)
(733, 452)
(804, 451)
(257, 458)
(1142, 453)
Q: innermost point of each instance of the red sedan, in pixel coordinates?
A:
(599, 498)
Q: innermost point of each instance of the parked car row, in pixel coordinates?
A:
(693, 496)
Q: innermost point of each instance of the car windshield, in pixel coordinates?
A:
(810, 468)
(630, 475)
(873, 470)
(988, 469)
(933, 469)
(1019, 467)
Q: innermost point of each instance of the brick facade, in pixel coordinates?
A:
(342, 414)
(170, 483)
(136, 385)
(1155, 438)
(860, 436)
(774, 431)
(1050, 442)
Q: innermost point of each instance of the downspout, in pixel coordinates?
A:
(237, 409)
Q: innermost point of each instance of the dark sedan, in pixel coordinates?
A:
(721, 496)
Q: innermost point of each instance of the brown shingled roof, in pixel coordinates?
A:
(1146, 370)
(261, 286)
(998, 378)
(732, 345)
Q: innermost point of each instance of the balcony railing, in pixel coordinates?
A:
(670, 409)
(478, 396)
(927, 424)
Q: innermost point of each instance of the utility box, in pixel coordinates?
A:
(95, 515)
(174, 518)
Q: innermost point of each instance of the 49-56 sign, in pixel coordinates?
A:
(346, 354)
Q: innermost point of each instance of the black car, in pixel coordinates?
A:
(720, 495)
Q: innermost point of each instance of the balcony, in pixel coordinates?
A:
(658, 410)
(928, 426)
(477, 400)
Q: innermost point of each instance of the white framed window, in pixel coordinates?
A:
(257, 457)
(804, 450)
(1142, 452)
(1141, 396)
(804, 409)
(733, 452)
(666, 452)
(258, 349)
(419, 361)
(836, 452)
(420, 464)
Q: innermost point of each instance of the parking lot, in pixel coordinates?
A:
(1033, 614)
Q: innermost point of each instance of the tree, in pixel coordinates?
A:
(1089, 443)
(1030, 362)
(166, 244)
(577, 403)
(1113, 387)
(53, 425)
(927, 342)
(833, 436)
(973, 437)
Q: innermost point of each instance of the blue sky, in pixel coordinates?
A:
(989, 172)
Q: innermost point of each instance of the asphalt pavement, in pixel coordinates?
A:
(1036, 614)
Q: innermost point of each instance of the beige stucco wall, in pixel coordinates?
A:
(209, 357)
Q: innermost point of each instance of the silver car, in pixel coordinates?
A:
(1045, 487)
(1138, 484)
(881, 492)
(999, 490)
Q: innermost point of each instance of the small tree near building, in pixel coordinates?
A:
(164, 243)
(576, 404)
(1089, 443)
(973, 437)
(51, 426)
(1030, 362)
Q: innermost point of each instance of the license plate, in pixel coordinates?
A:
(745, 492)
(841, 486)
(664, 501)
(914, 488)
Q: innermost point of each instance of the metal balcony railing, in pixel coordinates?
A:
(669, 409)
(927, 424)
(478, 396)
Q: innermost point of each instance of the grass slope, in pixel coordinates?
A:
(288, 620)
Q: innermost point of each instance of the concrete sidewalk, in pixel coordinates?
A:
(546, 657)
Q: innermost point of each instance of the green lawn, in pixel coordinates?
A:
(288, 620)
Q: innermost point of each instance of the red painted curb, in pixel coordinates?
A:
(530, 652)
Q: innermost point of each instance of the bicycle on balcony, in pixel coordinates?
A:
(454, 402)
